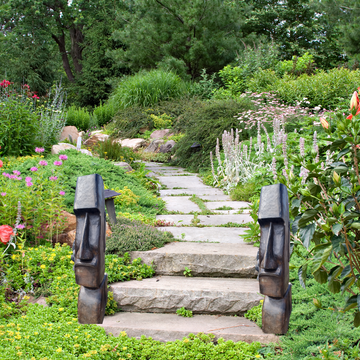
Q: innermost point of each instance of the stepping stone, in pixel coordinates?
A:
(171, 327)
(166, 294)
(191, 191)
(180, 203)
(235, 205)
(214, 260)
(180, 181)
(207, 234)
(176, 220)
(221, 198)
(224, 219)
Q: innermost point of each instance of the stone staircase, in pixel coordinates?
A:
(223, 284)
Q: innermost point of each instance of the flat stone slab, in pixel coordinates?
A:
(176, 220)
(180, 203)
(235, 205)
(204, 259)
(166, 294)
(191, 191)
(182, 181)
(224, 219)
(171, 327)
(207, 234)
(215, 197)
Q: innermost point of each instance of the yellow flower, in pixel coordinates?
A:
(43, 266)
(36, 333)
(123, 333)
(186, 340)
(59, 350)
(61, 309)
(76, 345)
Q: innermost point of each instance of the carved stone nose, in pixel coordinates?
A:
(269, 262)
(85, 254)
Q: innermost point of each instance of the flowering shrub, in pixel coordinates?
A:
(40, 200)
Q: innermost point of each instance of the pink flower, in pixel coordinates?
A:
(12, 177)
(324, 123)
(6, 174)
(39, 150)
(16, 172)
(1, 164)
(34, 169)
(43, 162)
(3, 194)
(20, 226)
(18, 178)
(6, 232)
(63, 157)
(28, 179)
(57, 163)
(35, 97)
(53, 178)
(5, 83)
(62, 192)
(29, 184)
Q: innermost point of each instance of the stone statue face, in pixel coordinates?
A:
(274, 241)
(89, 246)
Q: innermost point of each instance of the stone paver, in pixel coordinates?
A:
(235, 205)
(180, 203)
(214, 260)
(182, 181)
(166, 294)
(191, 191)
(176, 220)
(170, 327)
(207, 234)
(215, 197)
(224, 219)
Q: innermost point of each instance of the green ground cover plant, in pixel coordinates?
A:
(183, 312)
(114, 177)
(133, 235)
(110, 150)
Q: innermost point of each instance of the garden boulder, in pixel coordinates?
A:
(132, 143)
(56, 149)
(154, 146)
(158, 134)
(124, 165)
(69, 130)
(94, 139)
(167, 147)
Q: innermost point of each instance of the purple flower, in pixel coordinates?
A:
(3, 194)
(53, 178)
(12, 177)
(18, 178)
(63, 157)
(62, 192)
(57, 163)
(43, 162)
(6, 174)
(28, 179)
(39, 150)
(29, 184)
(16, 172)
(20, 226)
(34, 169)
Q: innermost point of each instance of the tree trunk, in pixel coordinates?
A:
(61, 43)
(77, 38)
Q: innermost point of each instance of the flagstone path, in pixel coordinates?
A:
(223, 285)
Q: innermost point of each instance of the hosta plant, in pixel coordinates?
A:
(325, 205)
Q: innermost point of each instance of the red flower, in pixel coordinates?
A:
(35, 97)
(324, 123)
(6, 232)
(5, 83)
(1, 164)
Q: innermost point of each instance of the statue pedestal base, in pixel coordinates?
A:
(92, 303)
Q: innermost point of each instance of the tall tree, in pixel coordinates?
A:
(189, 35)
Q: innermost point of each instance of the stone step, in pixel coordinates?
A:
(213, 260)
(171, 327)
(180, 203)
(166, 294)
(207, 234)
(207, 220)
(199, 191)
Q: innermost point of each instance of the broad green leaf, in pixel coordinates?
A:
(306, 234)
(346, 284)
(320, 276)
(343, 152)
(336, 228)
(355, 225)
(346, 271)
(334, 286)
(351, 303)
(357, 319)
(307, 216)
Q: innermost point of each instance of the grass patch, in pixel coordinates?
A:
(244, 192)
(225, 208)
(200, 203)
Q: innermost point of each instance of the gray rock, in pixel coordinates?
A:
(166, 294)
(167, 147)
(132, 143)
(171, 327)
(158, 134)
(154, 145)
(124, 165)
(204, 259)
(64, 146)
